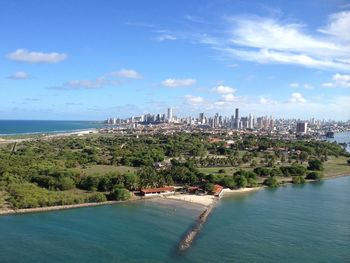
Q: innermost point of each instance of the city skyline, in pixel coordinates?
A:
(236, 120)
(84, 60)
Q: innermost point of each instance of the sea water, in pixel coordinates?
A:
(16, 127)
(309, 223)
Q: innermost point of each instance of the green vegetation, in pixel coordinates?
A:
(314, 176)
(27, 195)
(315, 165)
(72, 170)
(298, 180)
(119, 193)
(271, 182)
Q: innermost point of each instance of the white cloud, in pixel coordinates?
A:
(99, 82)
(265, 55)
(342, 80)
(87, 84)
(297, 85)
(263, 100)
(327, 85)
(194, 99)
(294, 85)
(166, 37)
(174, 83)
(339, 80)
(338, 26)
(266, 101)
(308, 86)
(127, 73)
(229, 97)
(268, 33)
(23, 55)
(221, 89)
(19, 75)
(269, 40)
(297, 98)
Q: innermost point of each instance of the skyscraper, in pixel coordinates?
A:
(170, 114)
(237, 120)
(201, 118)
(302, 127)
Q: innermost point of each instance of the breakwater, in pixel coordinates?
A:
(190, 236)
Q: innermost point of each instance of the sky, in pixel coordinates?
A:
(93, 59)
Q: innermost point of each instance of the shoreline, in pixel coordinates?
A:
(44, 136)
(53, 208)
(205, 200)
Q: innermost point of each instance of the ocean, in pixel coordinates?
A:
(308, 223)
(18, 127)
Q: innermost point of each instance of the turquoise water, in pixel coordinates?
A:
(309, 223)
(14, 127)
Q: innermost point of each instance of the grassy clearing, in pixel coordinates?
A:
(102, 169)
(336, 166)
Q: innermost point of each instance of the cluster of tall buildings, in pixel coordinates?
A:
(145, 119)
(237, 122)
(216, 121)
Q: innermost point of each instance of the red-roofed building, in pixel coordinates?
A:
(157, 191)
(218, 190)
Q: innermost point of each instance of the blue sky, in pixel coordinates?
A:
(90, 59)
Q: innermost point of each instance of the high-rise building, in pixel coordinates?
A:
(251, 122)
(170, 114)
(302, 127)
(201, 118)
(237, 120)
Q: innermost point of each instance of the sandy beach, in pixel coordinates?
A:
(208, 200)
(227, 191)
(205, 200)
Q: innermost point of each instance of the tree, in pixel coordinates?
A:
(303, 156)
(271, 182)
(252, 182)
(96, 198)
(208, 187)
(90, 182)
(293, 170)
(227, 181)
(65, 183)
(241, 181)
(148, 177)
(315, 165)
(131, 181)
(298, 180)
(314, 176)
(120, 194)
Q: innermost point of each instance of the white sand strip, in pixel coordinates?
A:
(205, 200)
(240, 190)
